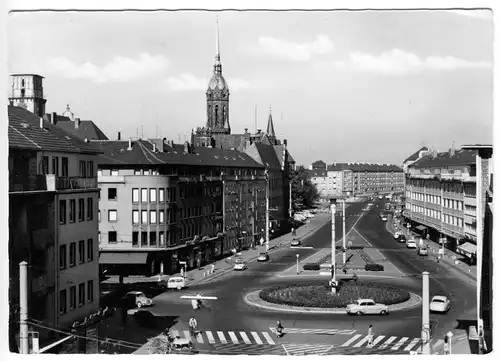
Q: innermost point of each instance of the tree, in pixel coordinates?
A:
(304, 193)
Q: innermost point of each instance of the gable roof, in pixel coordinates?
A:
(86, 130)
(25, 133)
(461, 157)
(415, 155)
(267, 156)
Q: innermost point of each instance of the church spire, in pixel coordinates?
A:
(217, 65)
(270, 126)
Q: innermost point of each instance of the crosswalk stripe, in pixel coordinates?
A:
(187, 335)
(377, 340)
(256, 337)
(222, 338)
(210, 337)
(351, 340)
(362, 341)
(245, 338)
(388, 342)
(199, 338)
(412, 344)
(268, 338)
(399, 344)
(233, 337)
(316, 331)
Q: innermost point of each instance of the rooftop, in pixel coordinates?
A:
(457, 158)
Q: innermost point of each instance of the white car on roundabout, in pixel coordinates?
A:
(440, 304)
(240, 265)
(366, 306)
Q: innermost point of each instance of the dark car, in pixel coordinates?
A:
(401, 238)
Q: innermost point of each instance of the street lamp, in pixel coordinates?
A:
(333, 281)
(425, 314)
(449, 335)
(297, 255)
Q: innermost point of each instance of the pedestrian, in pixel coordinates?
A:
(182, 272)
(261, 241)
(193, 324)
(370, 336)
(349, 244)
(213, 268)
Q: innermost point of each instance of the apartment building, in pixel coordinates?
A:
(162, 203)
(53, 200)
(441, 198)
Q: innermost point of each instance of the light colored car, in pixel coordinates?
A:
(240, 265)
(263, 257)
(380, 197)
(138, 298)
(384, 219)
(440, 304)
(396, 235)
(411, 243)
(366, 306)
(177, 283)
(295, 243)
(423, 251)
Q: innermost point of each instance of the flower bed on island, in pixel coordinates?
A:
(319, 294)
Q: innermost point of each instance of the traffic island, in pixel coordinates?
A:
(317, 298)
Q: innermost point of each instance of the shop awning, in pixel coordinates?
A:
(421, 228)
(467, 249)
(123, 258)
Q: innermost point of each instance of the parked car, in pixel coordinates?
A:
(411, 243)
(423, 251)
(440, 304)
(138, 299)
(397, 235)
(295, 243)
(263, 257)
(240, 265)
(177, 283)
(367, 306)
(384, 219)
(402, 238)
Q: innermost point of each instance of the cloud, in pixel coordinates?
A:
(187, 82)
(119, 69)
(398, 62)
(289, 50)
(478, 14)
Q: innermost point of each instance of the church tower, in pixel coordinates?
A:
(27, 92)
(218, 97)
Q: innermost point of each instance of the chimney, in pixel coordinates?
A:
(285, 142)
(119, 136)
(129, 144)
(77, 123)
(41, 123)
(154, 147)
(54, 118)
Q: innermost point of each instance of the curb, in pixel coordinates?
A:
(253, 299)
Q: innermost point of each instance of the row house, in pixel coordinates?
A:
(53, 203)
(441, 198)
(318, 178)
(162, 203)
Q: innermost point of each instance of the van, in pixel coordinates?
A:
(176, 283)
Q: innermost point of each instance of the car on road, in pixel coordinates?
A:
(263, 257)
(240, 265)
(295, 243)
(423, 251)
(402, 238)
(440, 304)
(397, 235)
(366, 306)
(411, 244)
(176, 283)
(138, 299)
(380, 197)
(384, 219)
(365, 209)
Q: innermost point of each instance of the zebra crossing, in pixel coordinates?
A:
(382, 342)
(226, 337)
(298, 349)
(316, 331)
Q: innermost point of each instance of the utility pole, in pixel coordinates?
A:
(223, 211)
(426, 329)
(290, 210)
(343, 231)
(333, 281)
(267, 211)
(23, 303)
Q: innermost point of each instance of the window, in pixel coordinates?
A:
(135, 239)
(62, 211)
(137, 172)
(64, 166)
(90, 169)
(144, 195)
(81, 252)
(162, 216)
(81, 294)
(112, 194)
(152, 238)
(112, 237)
(90, 209)
(62, 302)
(114, 172)
(72, 210)
(82, 169)
(161, 195)
(162, 238)
(62, 257)
(152, 195)
(90, 291)
(72, 254)
(144, 239)
(72, 297)
(45, 165)
(135, 217)
(90, 250)
(144, 217)
(81, 209)
(55, 166)
(152, 217)
(112, 215)
(135, 195)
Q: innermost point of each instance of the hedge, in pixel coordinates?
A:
(311, 267)
(374, 267)
(319, 295)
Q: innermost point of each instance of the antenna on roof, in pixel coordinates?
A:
(255, 116)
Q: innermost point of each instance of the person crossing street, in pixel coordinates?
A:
(370, 336)
(193, 324)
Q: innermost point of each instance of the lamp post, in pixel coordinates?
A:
(425, 314)
(297, 255)
(343, 233)
(267, 211)
(333, 281)
(449, 335)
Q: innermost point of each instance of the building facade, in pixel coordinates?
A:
(53, 197)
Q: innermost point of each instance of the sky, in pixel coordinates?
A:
(344, 86)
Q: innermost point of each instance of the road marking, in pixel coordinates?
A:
(293, 349)
(268, 338)
(412, 344)
(187, 335)
(199, 338)
(360, 343)
(210, 337)
(376, 341)
(256, 337)
(388, 342)
(399, 344)
(245, 338)
(233, 337)
(303, 247)
(222, 338)
(316, 331)
(351, 340)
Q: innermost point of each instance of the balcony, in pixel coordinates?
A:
(50, 183)
(63, 183)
